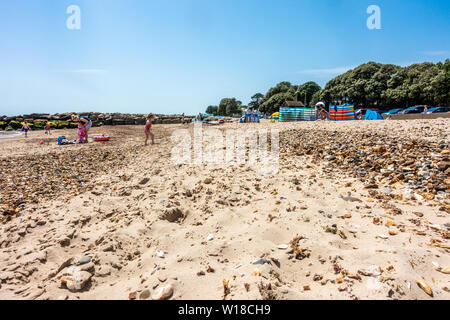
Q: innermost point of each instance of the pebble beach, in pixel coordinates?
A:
(357, 210)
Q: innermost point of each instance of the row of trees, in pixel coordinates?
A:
(226, 107)
(388, 86)
(268, 103)
(372, 84)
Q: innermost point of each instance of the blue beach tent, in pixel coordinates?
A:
(373, 115)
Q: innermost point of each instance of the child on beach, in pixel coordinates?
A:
(81, 133)
(47, 128)
(148, 129)
(26, 128)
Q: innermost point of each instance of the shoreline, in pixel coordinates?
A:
(10, 134)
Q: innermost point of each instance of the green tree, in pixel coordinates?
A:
(229, 107)
(307, 90)
(274, 103)
(276, 96)
(389, 86)
(256, 101)
(212, 110)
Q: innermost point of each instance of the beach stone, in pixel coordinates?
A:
(163, 293)
(77, 281)
(84, 260)
(144, 295)
(132, 295)
(173, 215)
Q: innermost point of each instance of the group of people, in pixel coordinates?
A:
(85, 123)
(26, 128)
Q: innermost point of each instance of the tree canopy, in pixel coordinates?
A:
(214, 110)
(390, 86)
(229, 107)
(371, 84)
(256, 101)
(306, 91)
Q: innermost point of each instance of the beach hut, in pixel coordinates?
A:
(345, 112)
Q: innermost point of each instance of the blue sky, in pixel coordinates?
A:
(174, 56)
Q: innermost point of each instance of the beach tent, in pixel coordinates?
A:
(373, 115)
(344, 112)
(297, 114)
(276, 115)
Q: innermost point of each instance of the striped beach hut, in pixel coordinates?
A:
(344, 112)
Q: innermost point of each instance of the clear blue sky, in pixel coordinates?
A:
(174, 56)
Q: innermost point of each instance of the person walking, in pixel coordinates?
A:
(26, 128)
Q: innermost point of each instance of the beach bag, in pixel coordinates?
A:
(61, 139)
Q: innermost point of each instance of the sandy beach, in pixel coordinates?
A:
(357, 210)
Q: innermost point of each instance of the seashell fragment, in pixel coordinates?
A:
(445, 270)
(425, 287)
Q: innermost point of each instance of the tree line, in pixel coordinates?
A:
(384, 86)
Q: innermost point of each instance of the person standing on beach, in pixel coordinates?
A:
(81, 133)
(26, 128)
(85, 122)
(148, 129)
(47, 128)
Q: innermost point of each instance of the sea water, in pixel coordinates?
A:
(9, 134)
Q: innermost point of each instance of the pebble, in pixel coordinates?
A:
(77, 281)
(84, 260)
(144, 295)
(260, 261)
(163, 293)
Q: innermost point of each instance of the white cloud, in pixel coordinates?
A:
(326, 72)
